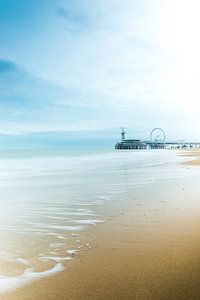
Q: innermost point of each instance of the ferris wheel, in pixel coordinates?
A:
(157, 135)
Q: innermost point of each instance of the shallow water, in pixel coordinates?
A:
(47, 202)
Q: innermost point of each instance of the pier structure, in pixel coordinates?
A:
(156, 141)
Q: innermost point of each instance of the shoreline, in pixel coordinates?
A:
(148, 248)
(194, 156)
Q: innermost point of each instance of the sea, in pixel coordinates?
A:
(50, 198)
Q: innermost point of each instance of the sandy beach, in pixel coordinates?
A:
(194, 157)
(147, 248)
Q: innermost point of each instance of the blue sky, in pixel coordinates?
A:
(94, 66)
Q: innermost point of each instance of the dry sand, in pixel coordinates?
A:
(148, 248)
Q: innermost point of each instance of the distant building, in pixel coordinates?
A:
(130, 144)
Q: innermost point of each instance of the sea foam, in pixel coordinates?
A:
(8, 284)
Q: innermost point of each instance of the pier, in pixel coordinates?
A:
(157, 141)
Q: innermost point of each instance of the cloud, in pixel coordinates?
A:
(68, 15)
(7, 66)
(28, 104)
(74, 18)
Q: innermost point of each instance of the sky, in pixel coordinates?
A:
(86, 68)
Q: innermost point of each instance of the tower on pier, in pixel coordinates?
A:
(123, 134)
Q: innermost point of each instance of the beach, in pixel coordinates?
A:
(193, 157)
(142, 243)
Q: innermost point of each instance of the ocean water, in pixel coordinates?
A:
(48, 199)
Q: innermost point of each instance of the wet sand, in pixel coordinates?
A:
(194, 157)
(148, 248)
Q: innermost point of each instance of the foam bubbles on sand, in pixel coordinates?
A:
(10, 283)
(88, 222)
(23, 261)
(57, 259)
(57, 236)
(72, 252)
